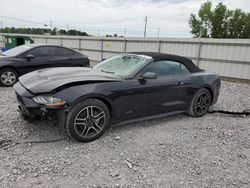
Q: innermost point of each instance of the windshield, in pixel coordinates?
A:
(122, 65)
(17, 50)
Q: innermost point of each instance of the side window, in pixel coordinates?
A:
(163, 68)
(71, 52)
(166, 68)
(41, 52)
(57, 51)
(184, 70)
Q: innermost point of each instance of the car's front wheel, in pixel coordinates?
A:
(87, 120)
(200, 103)
(8, 77)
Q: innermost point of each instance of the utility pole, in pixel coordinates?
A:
(1, 24)
(67, 32)
(124, 33)
(145, 28)
(51, 25)
(158, 33)
(98, 33)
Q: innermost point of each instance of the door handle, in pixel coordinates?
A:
(179, 83)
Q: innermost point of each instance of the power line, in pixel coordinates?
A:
(102, 22)
(86, 23)
(165, 19)
(79, 17)
(121, 31)
(29, 21)
(89, 23)
(23, 20)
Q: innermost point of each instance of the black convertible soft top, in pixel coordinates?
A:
(162, 56)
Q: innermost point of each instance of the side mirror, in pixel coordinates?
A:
(149, 75)
(29, 57)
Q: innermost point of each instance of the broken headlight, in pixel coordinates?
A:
(48, 100)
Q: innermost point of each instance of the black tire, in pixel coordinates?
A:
(200, 103)
(8, 77)
(83, 122)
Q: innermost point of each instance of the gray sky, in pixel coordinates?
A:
(109, 16)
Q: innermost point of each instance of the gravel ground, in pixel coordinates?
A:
(177, 151)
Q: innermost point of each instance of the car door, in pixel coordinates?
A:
(41, 56)
(78, 59)
(166, 93)
(61, 57)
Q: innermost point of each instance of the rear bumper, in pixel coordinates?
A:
(216, 90)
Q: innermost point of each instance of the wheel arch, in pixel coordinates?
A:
(100, 97)
(105, 101)
(211, 92)
(10, 67)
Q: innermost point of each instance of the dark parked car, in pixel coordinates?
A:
(26, 58)
(121, 89)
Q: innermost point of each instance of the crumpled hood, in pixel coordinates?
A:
(46, 80)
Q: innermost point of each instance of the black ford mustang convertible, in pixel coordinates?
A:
(124, 88)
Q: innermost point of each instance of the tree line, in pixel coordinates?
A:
(220, 22)
(42, 31)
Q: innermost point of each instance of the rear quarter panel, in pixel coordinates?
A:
(208, 80)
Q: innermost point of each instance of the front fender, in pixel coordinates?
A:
(74, 94)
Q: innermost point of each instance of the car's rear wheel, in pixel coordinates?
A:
(87, 120)
(200, 103)
(8, 77)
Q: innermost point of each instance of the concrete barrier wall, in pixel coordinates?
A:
(227, 57)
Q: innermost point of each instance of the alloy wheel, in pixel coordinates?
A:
(202, 103)
(8, 78)
(89, 121)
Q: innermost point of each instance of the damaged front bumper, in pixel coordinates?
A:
(31, 110)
